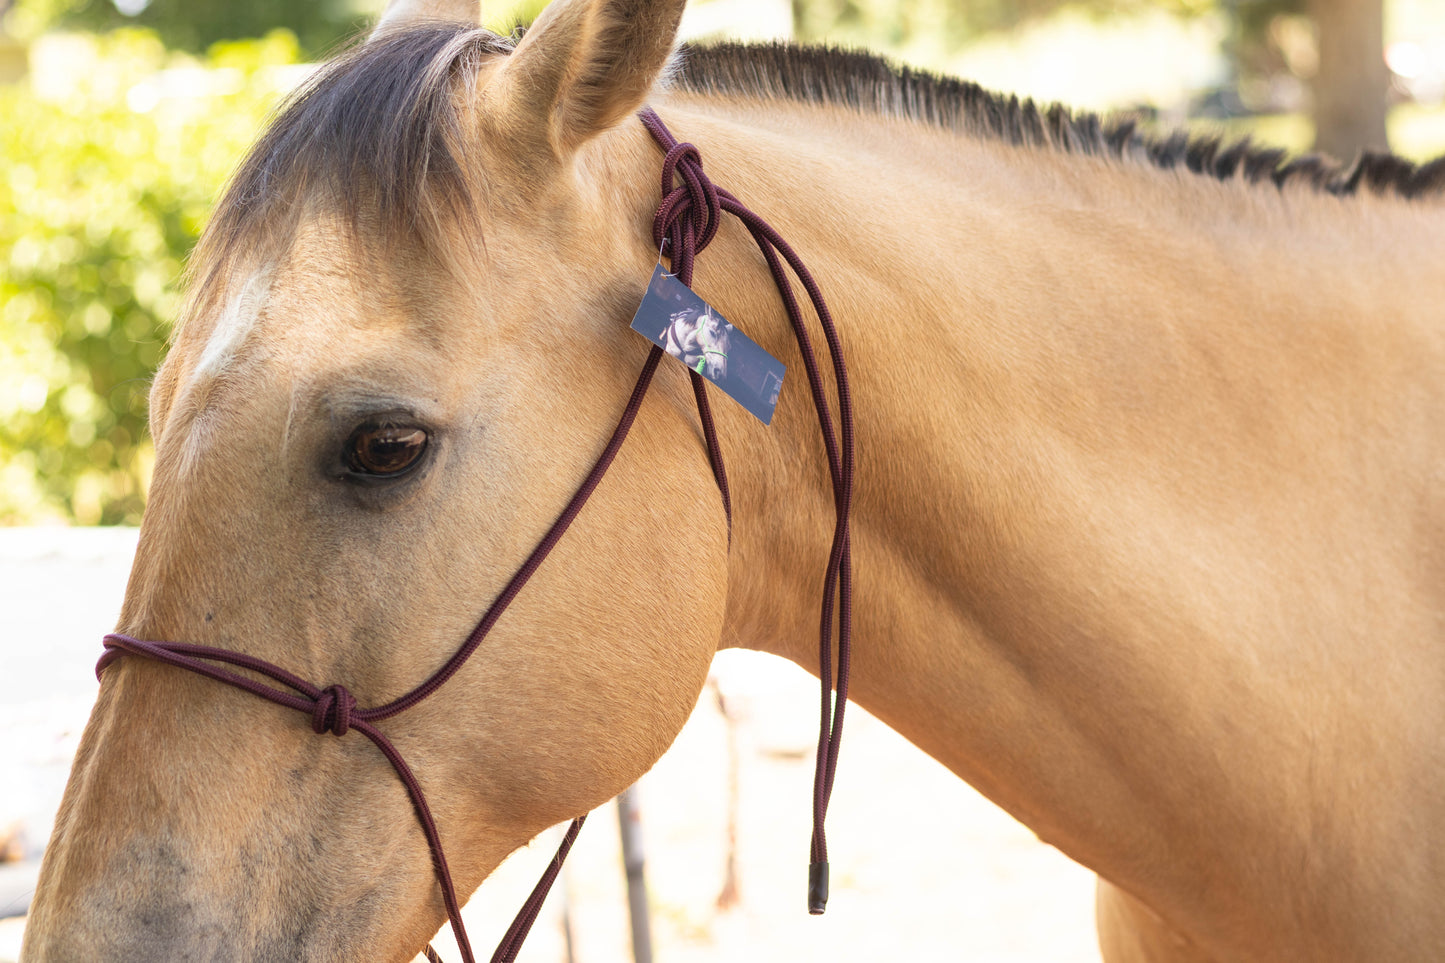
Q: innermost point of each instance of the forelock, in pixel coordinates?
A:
(373, 138)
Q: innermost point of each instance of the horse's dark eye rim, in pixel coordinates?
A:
(384, 450)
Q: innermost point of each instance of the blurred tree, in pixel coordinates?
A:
(1351, 84)
(1346, 66)
(109, 173)
(196, 24)
(1343, 60)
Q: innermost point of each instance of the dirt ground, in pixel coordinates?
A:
(923, 868)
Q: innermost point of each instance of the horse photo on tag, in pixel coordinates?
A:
(675, 319)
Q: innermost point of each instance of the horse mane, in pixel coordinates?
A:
(376, 135)
(868, 83)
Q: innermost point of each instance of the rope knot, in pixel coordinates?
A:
(332, 711)
(691, 211)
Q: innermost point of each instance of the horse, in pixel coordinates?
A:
(1147, 523)
(700, 341)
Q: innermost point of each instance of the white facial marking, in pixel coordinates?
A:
(233, 326)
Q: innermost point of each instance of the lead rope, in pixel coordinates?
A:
(333, 709)
(697, 197)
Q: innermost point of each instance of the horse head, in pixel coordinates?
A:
(372, 410)
(714, 341)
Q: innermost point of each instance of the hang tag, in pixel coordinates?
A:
(679, 322)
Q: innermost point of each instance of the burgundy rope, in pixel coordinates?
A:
(688, 219)
(698, 197)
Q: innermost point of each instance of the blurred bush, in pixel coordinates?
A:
(112, 156)
(196, 24)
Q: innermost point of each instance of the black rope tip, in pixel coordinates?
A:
(817, 888)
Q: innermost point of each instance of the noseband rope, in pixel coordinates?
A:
(687, 220)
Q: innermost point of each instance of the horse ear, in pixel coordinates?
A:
(584, 66)
(400, 14)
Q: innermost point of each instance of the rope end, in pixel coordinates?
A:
(817, 888)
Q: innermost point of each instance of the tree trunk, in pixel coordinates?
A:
(1350, 87)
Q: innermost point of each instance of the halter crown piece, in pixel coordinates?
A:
(688, 219)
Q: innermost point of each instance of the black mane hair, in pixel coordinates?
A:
(376, 134)
(870, 84)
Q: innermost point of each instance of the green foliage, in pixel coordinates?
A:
(194, 25)
(111, 161)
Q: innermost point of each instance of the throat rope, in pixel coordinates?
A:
(688, 220)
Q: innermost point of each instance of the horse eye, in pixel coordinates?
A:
(384, 450)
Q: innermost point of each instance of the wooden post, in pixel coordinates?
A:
(629, 820)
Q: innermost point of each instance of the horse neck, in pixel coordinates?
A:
(1102, 487)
